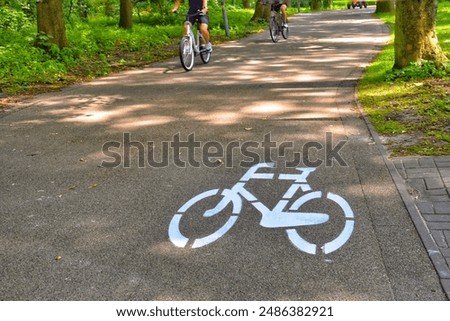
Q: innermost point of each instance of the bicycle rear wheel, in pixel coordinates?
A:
(187, 54)
(205, 56)
(274, 30)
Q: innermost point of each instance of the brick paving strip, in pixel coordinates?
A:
(427, 183)
(423, 183)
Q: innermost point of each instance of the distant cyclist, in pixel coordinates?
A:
(278, 5)
(198, 11)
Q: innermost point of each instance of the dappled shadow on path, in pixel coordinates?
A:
(249, 79)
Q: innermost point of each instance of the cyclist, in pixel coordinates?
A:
(198, 11)
(281, 5)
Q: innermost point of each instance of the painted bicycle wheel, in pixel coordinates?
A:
(187, 54)
(345, 229)
(225, 213)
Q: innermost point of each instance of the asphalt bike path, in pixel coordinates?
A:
(254, 177)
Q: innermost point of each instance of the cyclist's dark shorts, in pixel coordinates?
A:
(201, 18)
(277, 5)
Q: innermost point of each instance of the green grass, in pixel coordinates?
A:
(410, 109)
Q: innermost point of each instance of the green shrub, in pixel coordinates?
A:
(11, 19)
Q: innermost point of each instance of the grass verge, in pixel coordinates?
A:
(411, 109)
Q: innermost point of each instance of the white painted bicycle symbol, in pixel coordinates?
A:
(278, 217)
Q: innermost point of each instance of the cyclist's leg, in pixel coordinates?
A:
(189, 21)
(283, 12)
(203, 26)
(185, 25)
(204, 31)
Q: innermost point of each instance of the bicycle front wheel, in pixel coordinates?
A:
(285, 32)
(187, 53)
(340, 227)
(274, 30)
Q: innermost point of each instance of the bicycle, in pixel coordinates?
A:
(192, 45)
(276, 25)
(357, 3)
(278, 217)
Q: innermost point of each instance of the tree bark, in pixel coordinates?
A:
(126, 14)
(415, 33)
(262, 12)
(50, 22)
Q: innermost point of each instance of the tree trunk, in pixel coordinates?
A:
(316, 5)
(50, 22)
(385, 6)
(126, 14)
(262, 12)
(415, 33)
(327, 4)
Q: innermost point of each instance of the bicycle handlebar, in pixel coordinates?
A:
(199, 12)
